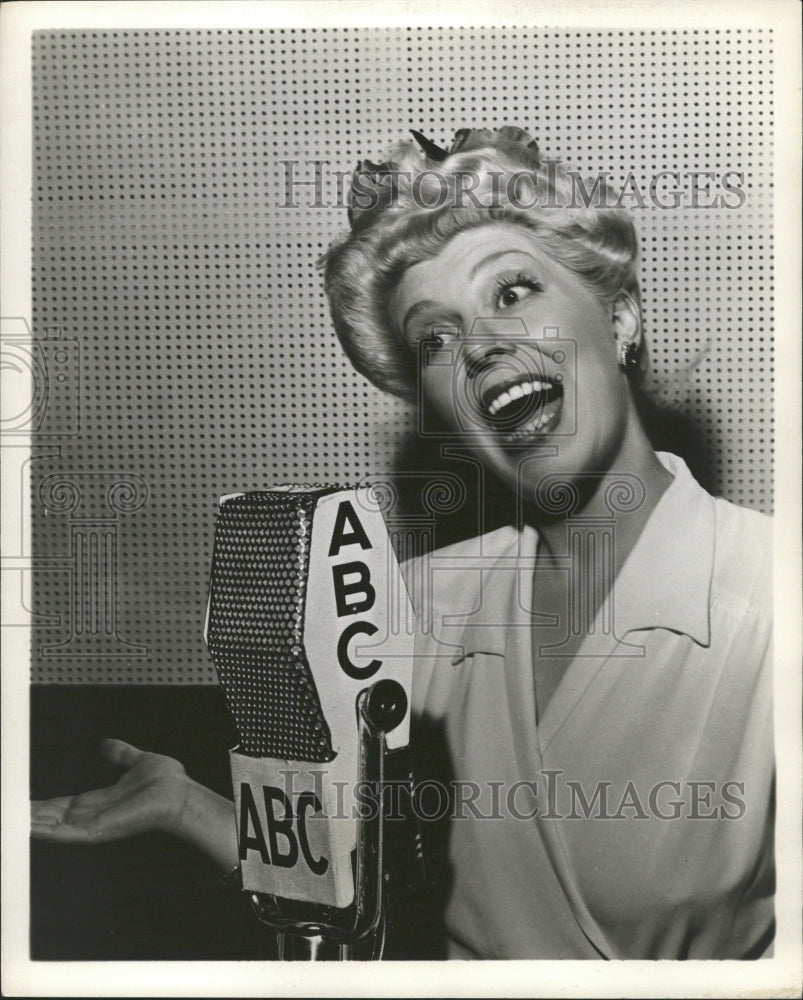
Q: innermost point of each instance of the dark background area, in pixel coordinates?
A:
(150, 897)
(153, 897)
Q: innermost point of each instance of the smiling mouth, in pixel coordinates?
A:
(523, 408)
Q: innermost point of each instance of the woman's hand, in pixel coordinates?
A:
(154, 794)
(150, 795)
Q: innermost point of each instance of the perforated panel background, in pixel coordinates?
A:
(207, 363)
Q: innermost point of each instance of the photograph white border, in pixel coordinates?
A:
(779, 976)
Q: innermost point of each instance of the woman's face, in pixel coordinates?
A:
(519, 357)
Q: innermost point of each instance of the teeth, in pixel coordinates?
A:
(516, 392)
(498, 403)
(534, 426)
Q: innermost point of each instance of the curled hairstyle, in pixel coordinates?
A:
(406, 210)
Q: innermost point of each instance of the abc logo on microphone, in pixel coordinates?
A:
(298, 626)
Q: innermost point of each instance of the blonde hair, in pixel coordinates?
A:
(407, 209)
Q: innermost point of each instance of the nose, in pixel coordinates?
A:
(490, 341)
(480, 358)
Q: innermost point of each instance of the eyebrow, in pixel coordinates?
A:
(425, 304)
(494, 257)
(418, 308)
(488, 260)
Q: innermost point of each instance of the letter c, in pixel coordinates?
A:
(309, 800)
(358, 673)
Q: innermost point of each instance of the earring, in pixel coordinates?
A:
(628, 357)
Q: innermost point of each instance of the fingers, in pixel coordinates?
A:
(127, 756)
(71, 819)
(121, 753)
(49, 812)
(72, 810)
(65, 833)
(50, 820)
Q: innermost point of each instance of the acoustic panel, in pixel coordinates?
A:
(177, 225)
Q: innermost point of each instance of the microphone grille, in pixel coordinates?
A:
(256, 620)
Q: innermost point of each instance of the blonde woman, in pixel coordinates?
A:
(594, 678)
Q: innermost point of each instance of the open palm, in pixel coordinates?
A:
(149, 796)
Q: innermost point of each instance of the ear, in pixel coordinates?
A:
(627, 320)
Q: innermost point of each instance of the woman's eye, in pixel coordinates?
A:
(514, 291)
(438, 335)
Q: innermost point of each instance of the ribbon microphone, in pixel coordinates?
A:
(304, 591)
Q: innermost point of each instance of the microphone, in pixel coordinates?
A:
(304, 589)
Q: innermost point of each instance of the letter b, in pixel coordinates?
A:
(280, 828)
(361, 587)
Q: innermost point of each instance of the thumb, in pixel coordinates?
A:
(120, 753)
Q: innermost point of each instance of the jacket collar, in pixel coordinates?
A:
(665, 582)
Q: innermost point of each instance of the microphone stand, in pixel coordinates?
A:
(312, 933)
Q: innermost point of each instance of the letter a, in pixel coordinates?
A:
(340, 537)
(248, 810)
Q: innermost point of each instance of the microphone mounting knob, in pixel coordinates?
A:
(385, 705)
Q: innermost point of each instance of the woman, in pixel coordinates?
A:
(598, 672)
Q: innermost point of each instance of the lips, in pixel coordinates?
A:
(524, 407)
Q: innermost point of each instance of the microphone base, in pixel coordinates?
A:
(295, 948)
(319, 948)
(313, 932)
